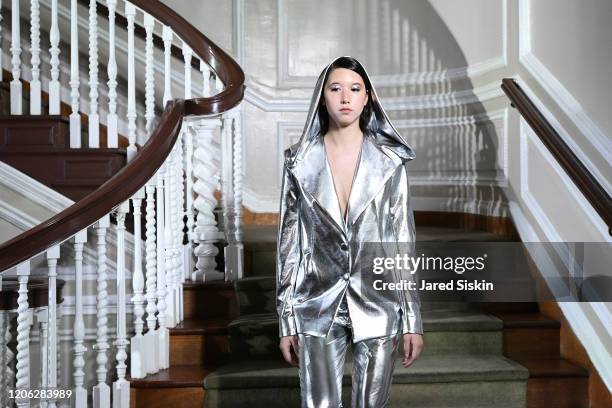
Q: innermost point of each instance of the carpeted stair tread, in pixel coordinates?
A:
(427, 369)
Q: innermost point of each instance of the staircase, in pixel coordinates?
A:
(162, 189)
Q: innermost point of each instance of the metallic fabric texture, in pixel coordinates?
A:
(322, 366)
(320, 255)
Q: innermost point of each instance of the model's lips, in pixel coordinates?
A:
(346, 110)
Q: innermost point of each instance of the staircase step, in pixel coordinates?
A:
(432, 381)
(200, 342)
(556, 383)
(530, 335)
(179, 386)
(204, 300)
(446, 332)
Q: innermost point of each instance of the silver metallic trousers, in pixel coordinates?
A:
(322, 366)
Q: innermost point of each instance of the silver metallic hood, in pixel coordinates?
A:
(379, 127)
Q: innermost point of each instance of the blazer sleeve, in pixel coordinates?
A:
(406, 237)
(287, 253)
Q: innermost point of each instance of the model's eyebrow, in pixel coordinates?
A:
(338, 83)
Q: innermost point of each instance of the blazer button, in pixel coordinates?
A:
(344, 246)
(346, 276)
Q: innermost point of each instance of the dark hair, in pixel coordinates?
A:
(355, 66)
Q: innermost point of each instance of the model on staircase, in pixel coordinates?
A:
(345, 192)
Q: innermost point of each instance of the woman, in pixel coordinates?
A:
(345, 188)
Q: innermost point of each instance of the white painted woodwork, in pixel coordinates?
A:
(149, 24)
(94, 118)
(35, 89)
(111, 119)
(121, 387)
(130, 12)
(54, 84)
(16, 89)
(101, 391)
(80, 393)
(24, 321)
(75, 118)
(53, 255)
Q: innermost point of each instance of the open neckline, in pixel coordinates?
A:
(331, 172)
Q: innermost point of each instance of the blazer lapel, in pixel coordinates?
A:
(375, 169)
(314, 175)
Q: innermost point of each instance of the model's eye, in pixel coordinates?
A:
(356, 89)
(335, 88)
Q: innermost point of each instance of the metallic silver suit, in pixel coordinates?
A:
(319, 255)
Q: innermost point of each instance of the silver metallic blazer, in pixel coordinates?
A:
(320, 257)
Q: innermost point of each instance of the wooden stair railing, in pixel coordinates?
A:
(579, 174)
(174, 172)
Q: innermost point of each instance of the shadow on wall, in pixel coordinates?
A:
(419, 72)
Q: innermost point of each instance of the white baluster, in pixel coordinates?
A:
(218, 84)
(121, 387)
(188, 160)
(75, 118)
(111, 120)
(151, 337)
(187, 55)
(54, 85)
(163, 342)
(236, 249)
(94, 119)
(205, 70)
(9, 378)
(227, 192)
(167, 37)
(137, 360)
(42, 315)
(206, 174)
(101, 391)
(169, 202)
(80, 393)
(149, 23)
(179, 225)
(16, 91)
(35, 91)
(130, 12)
(24, 320)
(53, 255)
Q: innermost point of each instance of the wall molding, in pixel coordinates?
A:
(572, 109)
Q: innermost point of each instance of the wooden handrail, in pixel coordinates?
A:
(132, 177)
(580, 175)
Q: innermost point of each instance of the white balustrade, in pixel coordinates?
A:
(94, 118)
(75, 118)
(206, 174)
(179, 202)
(16, 90)
(121, 387)
(111, 119)
(24, 321)
(80, 393)
(101, 391)
(35, 89)
(137, 368)
(54, 84)
(150, 346)
(130, 12)
(53, 255)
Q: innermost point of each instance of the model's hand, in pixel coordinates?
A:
(290, 349)
(413, 345)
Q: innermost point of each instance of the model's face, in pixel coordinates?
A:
(345, 96)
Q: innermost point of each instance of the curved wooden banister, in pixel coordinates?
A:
(580, 175)
(132, 177)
